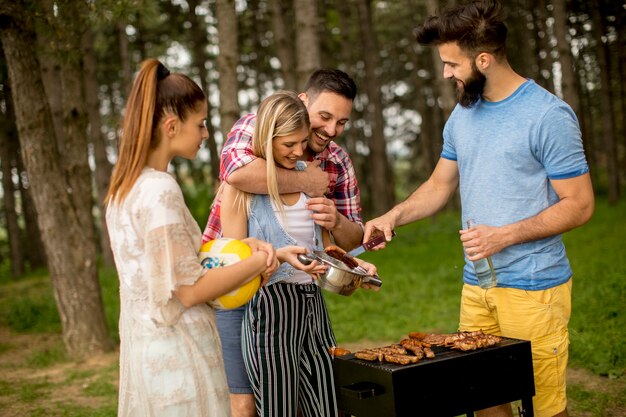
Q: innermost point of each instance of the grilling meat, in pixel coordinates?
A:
(337, 351)
(414, 346)
(472, 340)
(367, 355)
(418, 346)
(340, 254)
(395, 353)
(401, 359)
(460, 340)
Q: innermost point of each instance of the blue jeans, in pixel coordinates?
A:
(229, 327)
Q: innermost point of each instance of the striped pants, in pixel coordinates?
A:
(286, 335)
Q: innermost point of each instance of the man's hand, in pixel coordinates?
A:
(315, 181)
(383, 224)
(481, 241)
(324, 212)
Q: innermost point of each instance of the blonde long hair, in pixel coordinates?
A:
(280, 114)
(155, 94)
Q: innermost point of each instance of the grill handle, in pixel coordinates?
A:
(362, 390)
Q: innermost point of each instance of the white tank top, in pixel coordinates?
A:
(298, 223)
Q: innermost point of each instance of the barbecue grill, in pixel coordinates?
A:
(450, 384)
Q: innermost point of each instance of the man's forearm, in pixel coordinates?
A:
(252, 178)
(557, 219)
(423, 202)
(347, 234)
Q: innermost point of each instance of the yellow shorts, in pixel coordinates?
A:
(539, 316)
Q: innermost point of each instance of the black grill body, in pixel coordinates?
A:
(451, 384)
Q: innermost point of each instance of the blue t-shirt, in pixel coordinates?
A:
(507, 151)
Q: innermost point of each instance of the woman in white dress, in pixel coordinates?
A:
(170, 354)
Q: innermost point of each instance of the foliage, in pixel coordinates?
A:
(110, 299)
(28, 305)
(199, 197)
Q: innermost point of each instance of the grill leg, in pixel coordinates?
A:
(527, 408)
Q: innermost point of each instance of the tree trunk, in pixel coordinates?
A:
(445, 89)
(608, 132)
(568, 74)
(543, 44)
(36, 253)
(382, 177)
(308, 58)
(529, 30)
(8, 156)
(227, 61)
(284, 44)
(586, 126)
(619, 52)
(50, 73)
(102, 173)
(354, 135)
(67, 236)
(537, 32)
(200, 58)
(127, 77)
(429, 133)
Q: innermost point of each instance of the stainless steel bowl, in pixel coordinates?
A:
(339, 278)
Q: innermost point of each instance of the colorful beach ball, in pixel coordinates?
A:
(223, 252)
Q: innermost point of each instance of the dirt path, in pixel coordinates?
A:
(28, 388)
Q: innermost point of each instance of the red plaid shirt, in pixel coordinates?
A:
(237, 152)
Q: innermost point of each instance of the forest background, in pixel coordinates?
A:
(66, 67)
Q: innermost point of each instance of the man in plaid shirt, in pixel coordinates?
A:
(329, 180)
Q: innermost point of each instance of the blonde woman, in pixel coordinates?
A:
(286, 330)
(170, 357)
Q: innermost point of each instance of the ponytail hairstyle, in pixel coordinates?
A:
(156, 93)
(280, 114)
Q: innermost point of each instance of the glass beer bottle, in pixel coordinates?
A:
(483, 268)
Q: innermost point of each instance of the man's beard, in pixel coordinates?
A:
(472, 88)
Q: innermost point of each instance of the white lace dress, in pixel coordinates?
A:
(170, 357)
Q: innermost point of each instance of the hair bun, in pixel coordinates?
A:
(162, 72)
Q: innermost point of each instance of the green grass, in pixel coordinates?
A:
(101, 387)
(62, 409)
(597, 252)
(28, 305)
(421, 269)
(421, 288)
(594, 403)
(46, 357)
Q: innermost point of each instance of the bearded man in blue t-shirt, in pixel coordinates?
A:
(516, 154)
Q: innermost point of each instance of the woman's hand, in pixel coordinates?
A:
(290, 254)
